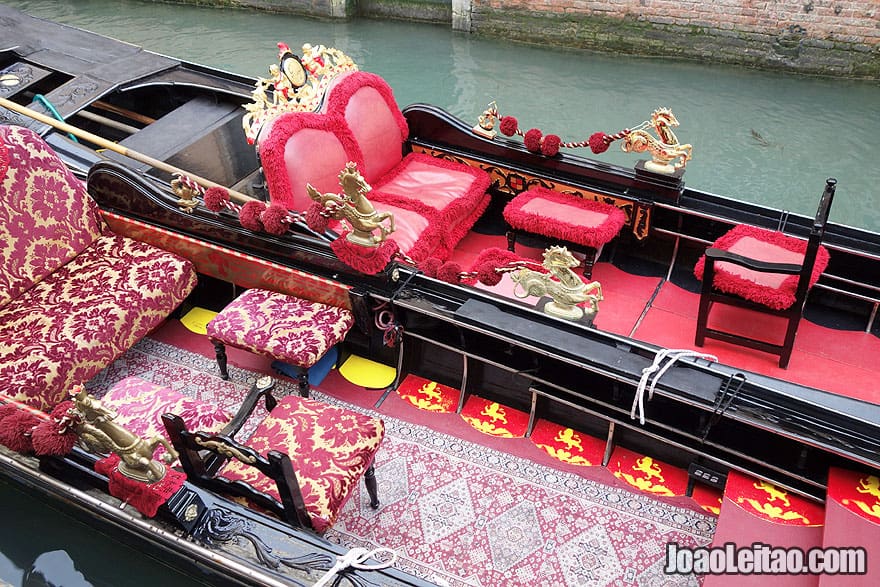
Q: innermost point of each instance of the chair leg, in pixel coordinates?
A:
(788, 344)
(588, 262)
(372, 489)
(511, 241)
(220, 351)
(303, 382)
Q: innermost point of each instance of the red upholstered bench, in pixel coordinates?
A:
(279, 326)
(586, 224)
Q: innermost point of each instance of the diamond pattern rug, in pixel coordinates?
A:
(461, 514)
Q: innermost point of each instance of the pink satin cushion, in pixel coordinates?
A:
(139, 405)
(46, 216)
(280, 326)
(421, 179)
(774, 290)
(330, 449)
(367, 104)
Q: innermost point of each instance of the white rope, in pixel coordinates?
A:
(654, 372)
(355, 558)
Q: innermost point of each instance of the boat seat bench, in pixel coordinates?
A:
(283, 327)
(586, 225)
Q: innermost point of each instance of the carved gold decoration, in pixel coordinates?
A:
(187, 194)
(100, 433)
(562, 284)
(277, 94)
(664, 149)
(485, 126)
(353, 206)
(226, 450)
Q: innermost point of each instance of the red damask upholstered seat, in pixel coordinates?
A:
(766, 271)
(283, 327)
(139, 405)
(566, 218)
(302, 462)
(73, 295)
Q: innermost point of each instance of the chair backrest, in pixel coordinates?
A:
(46, 216)
(367, 104)
(302, 148)
(203, 454)
(817, 233)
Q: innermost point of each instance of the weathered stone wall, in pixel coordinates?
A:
(832, 37)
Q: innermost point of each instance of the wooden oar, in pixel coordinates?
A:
(116, 148)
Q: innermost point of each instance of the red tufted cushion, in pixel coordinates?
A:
(139, 405)
(283, 327)
(565, 217)
(46, 216)
(329, 447)
(774, 290)
(79, 319)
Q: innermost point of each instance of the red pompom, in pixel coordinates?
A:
(250, 215)
(430, 266)
(16, 429)
(449, 272)
(315, 219)
(50, 438)
(550, 145)
(487, 275)
(216, 198)
(508, 126)
(599, 142)
(532, 140)
(273, 219)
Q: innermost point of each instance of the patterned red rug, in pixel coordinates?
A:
(462, 514)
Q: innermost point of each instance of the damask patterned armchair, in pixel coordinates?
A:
(73, 295)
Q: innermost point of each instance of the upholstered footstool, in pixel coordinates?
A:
(279, 326)
(587, 224)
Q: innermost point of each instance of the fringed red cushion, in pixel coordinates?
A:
(565, 217)
(280, 326)
(329, 447)
(774, 290)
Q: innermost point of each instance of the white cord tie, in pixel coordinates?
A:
(355, 558)
(654, 372)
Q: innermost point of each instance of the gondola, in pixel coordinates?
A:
(139, 128)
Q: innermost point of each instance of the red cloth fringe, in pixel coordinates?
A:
(369, 260)
(145, 497)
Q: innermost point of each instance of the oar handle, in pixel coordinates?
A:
(116, 148)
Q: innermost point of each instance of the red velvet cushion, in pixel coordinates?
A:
(303, 148)
(329, 447)
(139, 405)
(774, 290)
(283, 327)
(565, 217)
(46, 216)
(80, 318)
(367, 104)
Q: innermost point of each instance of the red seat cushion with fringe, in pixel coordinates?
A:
(565, 217)
(330, 449)
(774, 290)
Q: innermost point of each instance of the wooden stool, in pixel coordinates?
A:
(279, 326)
(586, 223)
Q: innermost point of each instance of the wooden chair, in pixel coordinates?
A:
(766, 271)
(301, 463)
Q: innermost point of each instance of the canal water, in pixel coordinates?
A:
(765, 137)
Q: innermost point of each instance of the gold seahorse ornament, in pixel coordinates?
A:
(563, 285)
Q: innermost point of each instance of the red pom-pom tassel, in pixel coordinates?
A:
(508, 126)
(532, 140)
(449, 272)
(216, 198)
(430, 266)
(273, 219)
(250, 215)
(599, 142)
(550, 145)
(16, 429)
(487, 275)
(315, 218)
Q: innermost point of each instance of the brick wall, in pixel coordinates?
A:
(837, 37)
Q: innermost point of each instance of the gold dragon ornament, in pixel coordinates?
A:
(563, 285)
(664, 149)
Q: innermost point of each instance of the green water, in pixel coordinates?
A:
(757, 136)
